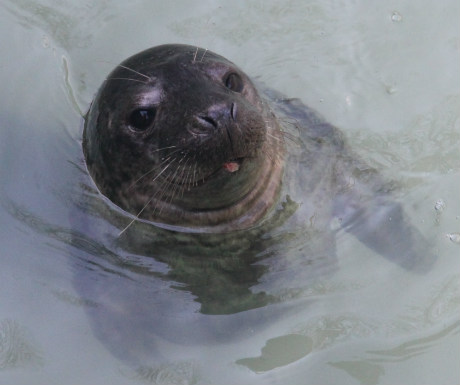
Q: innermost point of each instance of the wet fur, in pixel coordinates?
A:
(152, 284)
(171, 174)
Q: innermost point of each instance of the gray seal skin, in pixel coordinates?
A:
(234, 187)
(184, 140)
(181, 139)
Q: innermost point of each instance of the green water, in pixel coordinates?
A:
(386, 74)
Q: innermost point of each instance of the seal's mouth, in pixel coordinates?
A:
(233, 165)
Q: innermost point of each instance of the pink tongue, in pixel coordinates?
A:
(231, 166)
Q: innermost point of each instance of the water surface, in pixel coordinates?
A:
(386, 74)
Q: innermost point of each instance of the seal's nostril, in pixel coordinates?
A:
(207, 121)
(233, 110)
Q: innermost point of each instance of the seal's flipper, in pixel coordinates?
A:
(363, 201)
(381, 224)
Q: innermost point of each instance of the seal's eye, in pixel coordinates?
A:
(141, 119)
(234, 82)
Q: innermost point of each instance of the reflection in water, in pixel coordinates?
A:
(414, 347)
(173, 373)
(16, 348)
(138, 290)
(279, 351)
(219, 270)
(153, 286)
(151, 289)
(368, 371)
(68, 26)
(324, 50)
(365, 372)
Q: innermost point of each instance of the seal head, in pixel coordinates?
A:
(180, 137)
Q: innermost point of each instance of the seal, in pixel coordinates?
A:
(258, 187)
(180, 137)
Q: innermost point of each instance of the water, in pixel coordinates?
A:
(386, 74)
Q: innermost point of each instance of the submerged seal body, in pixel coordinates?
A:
(180, 137)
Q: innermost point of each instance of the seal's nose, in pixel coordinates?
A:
(217, 116)
(233, 111)
(207, 121)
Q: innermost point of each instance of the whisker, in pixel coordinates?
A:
(133, 80)
(148, 202)
(162, 171)
(156, 166)
(275, 137)
(164, 148)
(184, 185)
(194, 173)
(150, 171)
(136, 72)
(176, 185)
(136, 218)
(288, 135)
(178, 167)
(186, 173)
(160, 193)
(202, 57)
(194, 57)
(127, 68)
(292, 138)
